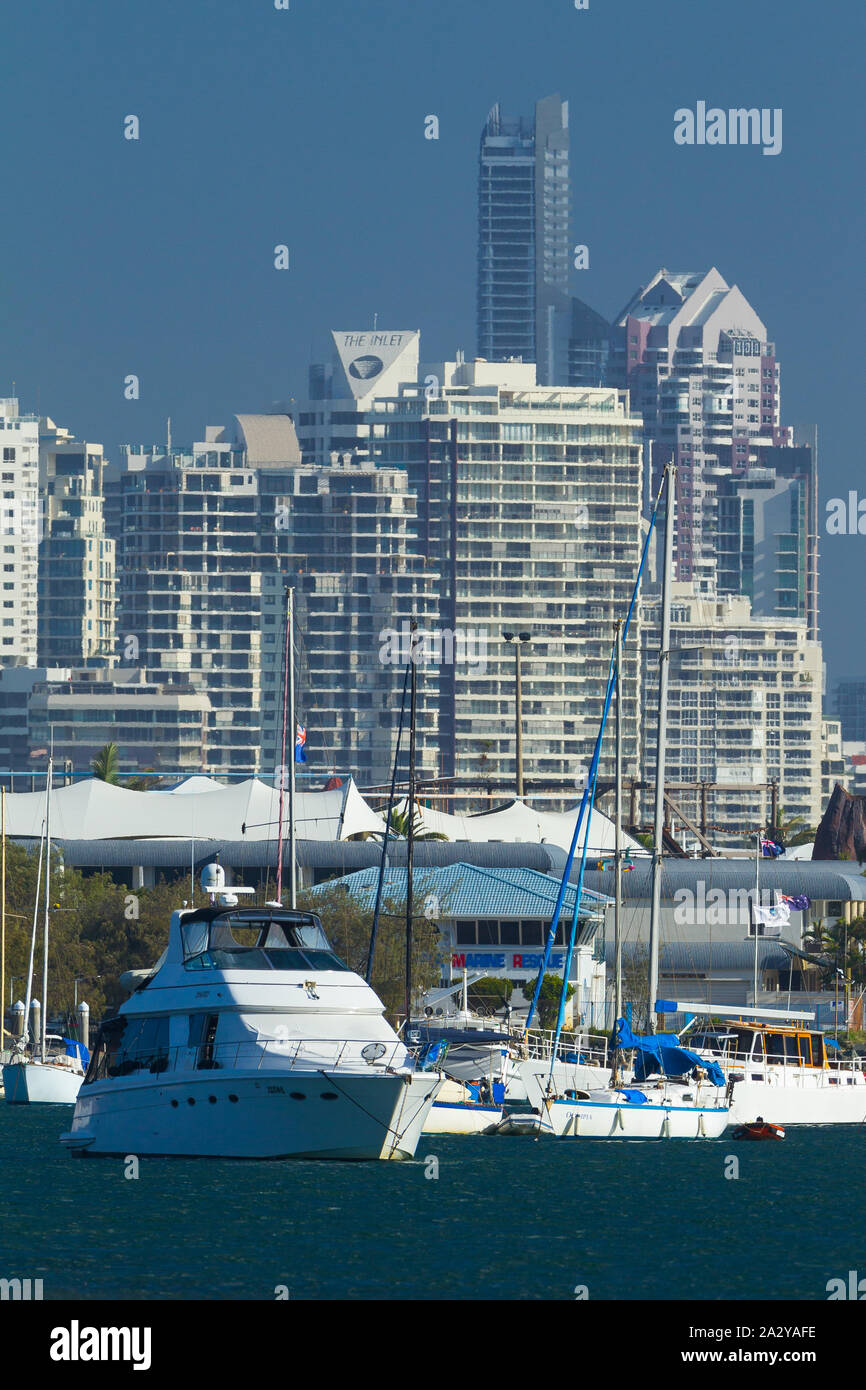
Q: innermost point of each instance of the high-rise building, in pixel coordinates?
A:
(76, 557)
(19, 534)
(834, 767)
(523, 239)
(588, 346)
(528, 502)
(350, 531)
(702, 373)
(744, 711)
(157, 728)
(192, 549)
(849, 706)
(765, 518)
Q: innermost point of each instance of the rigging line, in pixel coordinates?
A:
(397, 1134)
(374, 930)
(560, 897)
(566, 969)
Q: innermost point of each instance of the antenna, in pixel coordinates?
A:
(375, 321)
(168, 435)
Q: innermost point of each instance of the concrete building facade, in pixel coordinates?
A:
(19, 534)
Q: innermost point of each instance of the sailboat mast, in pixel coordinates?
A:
(293, 731)
(617, 827)
(2, 919)
(283, 753)
(661, 748)
(410, 846)
(755, 914)
(47, 906)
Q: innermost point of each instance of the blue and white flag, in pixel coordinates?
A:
(771, 850)
(772, 919)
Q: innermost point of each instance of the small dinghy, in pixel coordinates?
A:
(521, 1122)
(759, 1130)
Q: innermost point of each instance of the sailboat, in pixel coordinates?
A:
(675, 1093)
(47, 1070)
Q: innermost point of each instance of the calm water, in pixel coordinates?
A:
(507, 1218)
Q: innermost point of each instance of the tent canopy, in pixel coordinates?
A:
(519, 822)
(96, 810)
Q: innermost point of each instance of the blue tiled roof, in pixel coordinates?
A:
(467, 891)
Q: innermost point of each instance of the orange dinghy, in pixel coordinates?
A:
(759, 1130)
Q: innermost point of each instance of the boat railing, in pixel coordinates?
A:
(734, 1057)
(575, 1048)
(255, 1054)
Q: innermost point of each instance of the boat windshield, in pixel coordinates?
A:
(257, 940)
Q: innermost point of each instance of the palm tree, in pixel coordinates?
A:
(399, 825)
(105, 766)
(792, 832)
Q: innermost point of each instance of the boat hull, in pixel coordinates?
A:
(611, 1120)
(798, 1103)
(37, 1083)
(321, 1114)
(461, 1117)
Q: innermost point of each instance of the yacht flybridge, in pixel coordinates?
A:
(250, 1039)
(778, 1068)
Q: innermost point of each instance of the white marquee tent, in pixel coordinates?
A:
(519, 823)
(95, 810)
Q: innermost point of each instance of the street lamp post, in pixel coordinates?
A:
(518, 638)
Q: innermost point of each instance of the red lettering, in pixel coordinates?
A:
(459, 962)
(518, 962)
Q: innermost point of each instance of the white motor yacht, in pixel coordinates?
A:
(251, 1039)
(777, 1068)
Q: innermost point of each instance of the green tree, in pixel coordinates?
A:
(400, 826)
(490, 994)
(548, 999)
(793, 831)
(106, 766)
(348, 923)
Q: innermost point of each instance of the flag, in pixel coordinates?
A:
(772, 919)
(771, 850)
(300, 744)
(797, 904)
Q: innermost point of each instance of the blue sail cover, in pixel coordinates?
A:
(661, 1053)
(73, 1048)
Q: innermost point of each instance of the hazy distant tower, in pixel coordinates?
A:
(523, 239)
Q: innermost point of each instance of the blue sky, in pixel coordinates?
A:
(306, 127)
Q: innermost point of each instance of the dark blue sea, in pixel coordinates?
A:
(507, 1218)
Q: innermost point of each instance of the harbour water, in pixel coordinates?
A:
(505, 1219)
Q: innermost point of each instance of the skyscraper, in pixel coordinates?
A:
(523, 240)
(19, 533)
(193, 547)
(695, 356)
(524, 503)
(76, 555)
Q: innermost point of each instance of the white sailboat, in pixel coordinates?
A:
(47, 1070)
(676, 1095)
